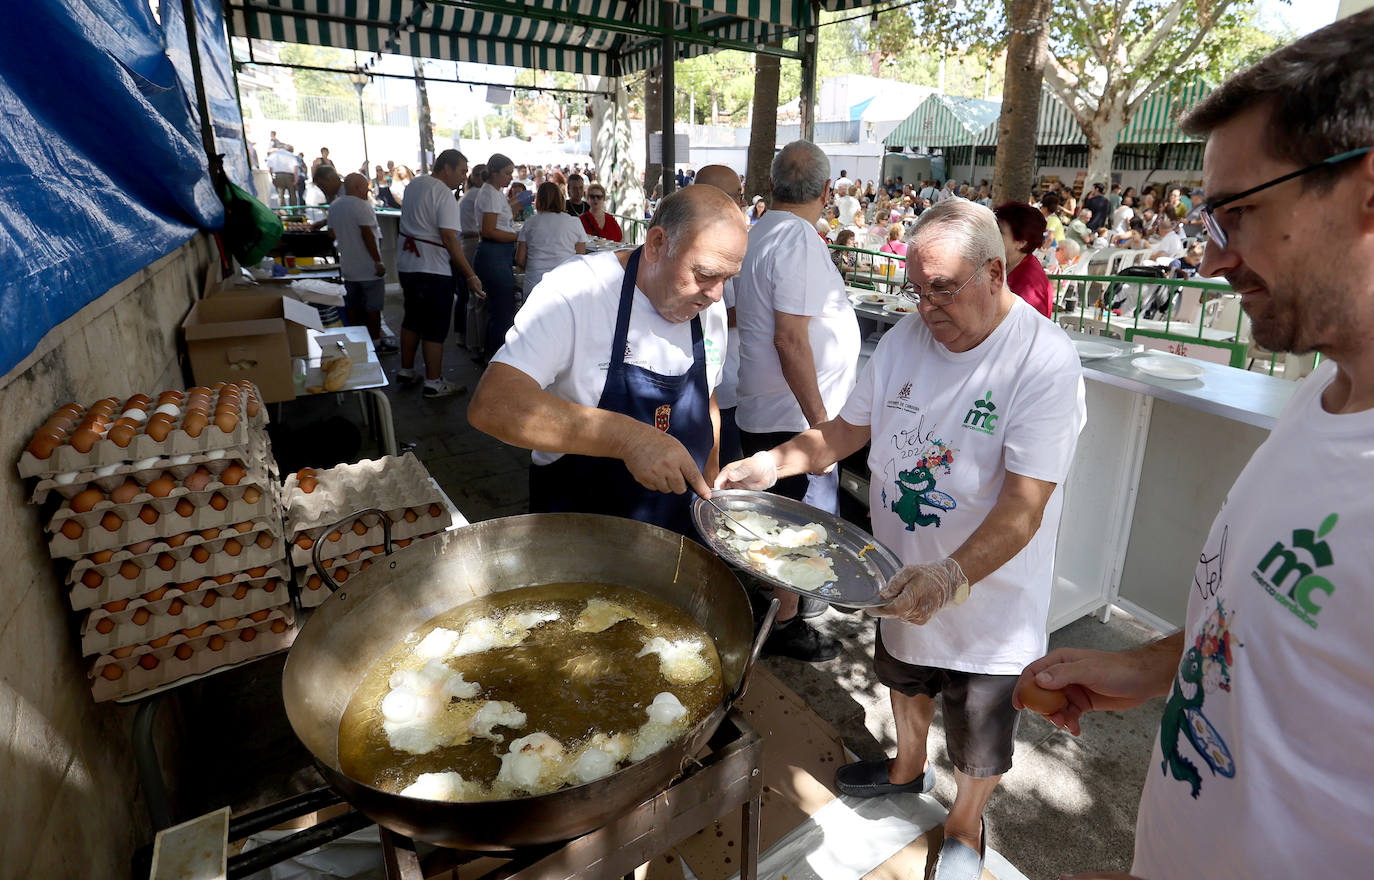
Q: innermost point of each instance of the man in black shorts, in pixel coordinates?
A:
(427, 251)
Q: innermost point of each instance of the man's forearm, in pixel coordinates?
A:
(1007, 529)
(799, 370)
(370, 242)
(511, 407)
(818, 448)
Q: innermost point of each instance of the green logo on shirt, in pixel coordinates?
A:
(712, 352)
(1287, 576)
(982, 417)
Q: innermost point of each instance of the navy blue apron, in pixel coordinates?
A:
(677, 405)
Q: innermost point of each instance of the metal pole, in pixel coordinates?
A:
(207, 129)
(808, 85)
(362, 121)
(669, 58)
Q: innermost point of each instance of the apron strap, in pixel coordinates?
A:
(622, 316)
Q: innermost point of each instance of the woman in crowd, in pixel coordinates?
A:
(399, 180)
(1023, 229)
(870, 191)
(894, 244)
(857, 224)
(381, 183)
(1129, 193)
(549, 237)
(496, 250)
(845, 261)
(597, 221)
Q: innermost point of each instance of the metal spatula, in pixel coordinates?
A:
(718, 509)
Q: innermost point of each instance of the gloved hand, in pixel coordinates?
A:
(918, 591)
(758, 472)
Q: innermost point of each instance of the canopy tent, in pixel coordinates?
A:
(595, 37)
(944, 121)
(1154, 122)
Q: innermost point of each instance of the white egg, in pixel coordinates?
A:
(495, 714)
(681, 662)
(593, 764)
(666, 708)
(446, 786)
(170, 409)
(399, 706)
(600, 615)
(535, 763)
(107, 470)
(438, 643)
(180, 459)
(455, 686)
(65, 479)
(215, 454)
(145, 463)
(138, 415)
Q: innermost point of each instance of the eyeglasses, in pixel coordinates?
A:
(938, 297)
(1217, 233)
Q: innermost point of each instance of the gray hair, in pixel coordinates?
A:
(1318, 91)
(1070, 247)
(799, 173)
(971, 227)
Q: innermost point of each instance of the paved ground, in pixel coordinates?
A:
(1068, 805)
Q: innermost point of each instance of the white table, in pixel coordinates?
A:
(367, 377)
(1096, 325)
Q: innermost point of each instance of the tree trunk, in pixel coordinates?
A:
(612, 151)
(426, 124)
(1027, 54)
(653, 122)
(763, 130)
(1103, 137)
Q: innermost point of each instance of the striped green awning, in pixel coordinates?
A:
(1154, 122)
(944, 121)
(599, 37)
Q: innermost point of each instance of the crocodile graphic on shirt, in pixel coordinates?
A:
(1205, 668)
(917, 489)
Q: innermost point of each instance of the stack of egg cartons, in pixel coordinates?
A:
(317, 501)
(169, 513)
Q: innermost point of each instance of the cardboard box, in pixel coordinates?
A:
(249, 337)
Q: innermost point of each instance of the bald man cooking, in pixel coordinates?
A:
(609, 372)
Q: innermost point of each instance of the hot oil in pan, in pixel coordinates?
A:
(569, 683)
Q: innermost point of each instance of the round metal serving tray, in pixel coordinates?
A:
(862, 565)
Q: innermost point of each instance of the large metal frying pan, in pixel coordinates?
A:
(377, 607)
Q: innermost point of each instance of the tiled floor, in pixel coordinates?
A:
(1067, 805)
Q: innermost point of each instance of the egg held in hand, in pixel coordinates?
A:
(1038, 699)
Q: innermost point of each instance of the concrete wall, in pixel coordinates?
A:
(71, 798)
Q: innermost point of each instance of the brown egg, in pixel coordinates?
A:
(61, 422)
(223, 579)
(334, 536)
(307, 484)
(183, 652)
(185, 508)
(201, 555)
(126, 492)
(359, 527)
(248, 635)
(162, 486)
(148, 661)
(226, 422)
(269, 586)
(86, 499)
(227, 623)
(116, 606)
(216, 643)
(141, 616)
(84, 438)
(148, 513)
(232, 475)
(92, 578)
(104, 625)
(314, 582)
(100, 557)
(158, 428)
(121, 653)
(435, 510)
(218, 501)
(265, 539)
(166, 561)
(210, 534)
(111, 672)
(260, 616)
(178, 539)
(251, 495)
(278, 626)
(253, 407)
(160, 641)
(175, 606)
(352, 556)
(141, 401)
(198, 479)
(72, 409)
(376, 548)
(240, 591)
(244, 527)
(341, 574)
(367, 563)
(304, 542)
(188, 586)
(130, 571)
(402, 542)
(257, 571)
(233, 547)
(194, 632)
(194, 423)
(140, 547)
(155, 595)
(122, 435)
(110, 521)
(410, 515)
(209, 599)
(172, 396)
(44, 441)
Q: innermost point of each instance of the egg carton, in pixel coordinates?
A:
(206, 653)
(310, 586)
(255, 460)
(389, 483)
(166, 506)
(167, 553)
(250, 563)
(67, 459)
(135, 531)
(347, 538)
(142, 621)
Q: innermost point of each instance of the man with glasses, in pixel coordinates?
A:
(1263, 763)
(973, 410)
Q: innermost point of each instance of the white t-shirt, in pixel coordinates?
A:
(429, 207)
(550, 238)
(562, 335)
(947, 427)
(727, 395)
(846, 205)
(348, 215)
(1121, 218)
(315, 196)
(468, 218)
(1273, 704)
(842, 181)
(1170, 244)
(788, 269)
(281, 162)
(491, 200)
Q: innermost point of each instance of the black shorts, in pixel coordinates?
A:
(428, 304)
(365, 296)
(980, 723)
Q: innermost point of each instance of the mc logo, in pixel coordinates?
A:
(1282, 567)
(982, 417)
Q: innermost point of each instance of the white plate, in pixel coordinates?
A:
(1168, 367)
(1091, 351)
(900, 308)
(871, 298)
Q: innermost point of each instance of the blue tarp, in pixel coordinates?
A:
(101, 166)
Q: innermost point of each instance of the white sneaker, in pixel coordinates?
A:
(407, 377)
(441, 388)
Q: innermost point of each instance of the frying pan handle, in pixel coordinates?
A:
(764, 630)
(315, 552)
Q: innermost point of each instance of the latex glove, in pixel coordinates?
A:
(918, 591)
(758, 472)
